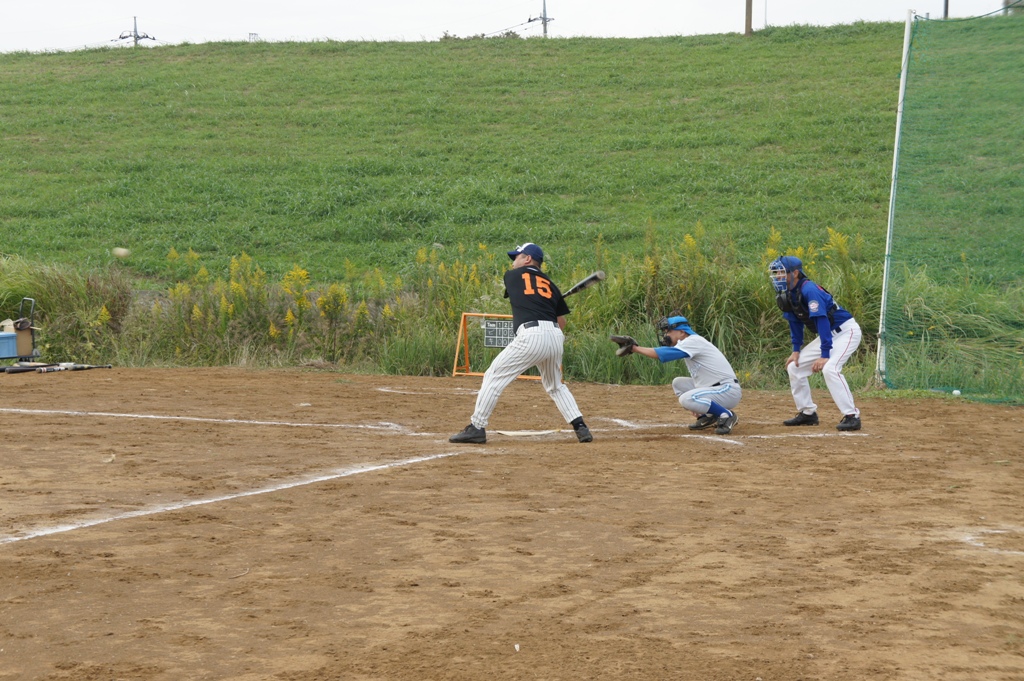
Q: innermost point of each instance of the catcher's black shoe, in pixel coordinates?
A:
(726, 422)
(802, 419)
(704, 422)
(583, 434)
(849, 422)
(470, 434)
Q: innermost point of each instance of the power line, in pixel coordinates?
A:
(134, 34)
(543, 18)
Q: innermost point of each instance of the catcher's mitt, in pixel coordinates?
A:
(626, 344)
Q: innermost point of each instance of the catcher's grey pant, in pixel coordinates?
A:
(698, 400)
(540, 346)
(844, 343)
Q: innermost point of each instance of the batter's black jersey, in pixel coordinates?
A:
(534, 297)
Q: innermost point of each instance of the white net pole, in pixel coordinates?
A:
(880, 360)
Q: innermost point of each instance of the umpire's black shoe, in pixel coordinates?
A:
(802, 419)
(470, 434)
(704, 422)
(726, 422)
(583, 434)
(849, 422)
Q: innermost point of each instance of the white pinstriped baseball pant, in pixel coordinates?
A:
(844, 343)
(540, 346)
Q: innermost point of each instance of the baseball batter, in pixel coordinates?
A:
(805, 304)
(711, 391)
(538, 316)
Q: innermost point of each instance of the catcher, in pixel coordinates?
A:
(711, 391)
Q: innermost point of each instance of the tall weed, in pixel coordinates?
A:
(407, 322)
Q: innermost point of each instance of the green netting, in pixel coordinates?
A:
(954, 308)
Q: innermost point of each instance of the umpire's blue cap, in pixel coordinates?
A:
(532, 250)
(790, 263)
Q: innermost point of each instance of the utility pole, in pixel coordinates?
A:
(750, 18)
(544, 18)
(945, 9)
(134, 34)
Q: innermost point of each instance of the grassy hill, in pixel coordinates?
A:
(318, 153)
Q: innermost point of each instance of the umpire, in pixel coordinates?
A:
(538, 316)
(806, 305)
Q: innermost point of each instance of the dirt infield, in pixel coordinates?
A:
(236, 524)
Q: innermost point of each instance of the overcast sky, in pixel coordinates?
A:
(38, 25)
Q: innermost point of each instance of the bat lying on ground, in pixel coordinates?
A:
(71, 366)
(25, 367)
(585, 283)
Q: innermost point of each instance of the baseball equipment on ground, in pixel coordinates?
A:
(26, 367)
(586, 283)
(626, 345)
(70, 366)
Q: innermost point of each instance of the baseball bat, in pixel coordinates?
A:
(585, 283)
(70, 366)
(23, 367)
(20, 369)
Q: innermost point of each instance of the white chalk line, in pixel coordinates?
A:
(177, 506)
(629, 424)
(973, 539)
(394, 428)
(633, 425)
(382, 426)
(715, 438)
(804, 435)
(387, 389)
(528, 433)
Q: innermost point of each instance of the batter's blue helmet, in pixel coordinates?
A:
(530, 249)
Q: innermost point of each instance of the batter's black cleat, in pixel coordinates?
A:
(704, 422)
(470, 434)
(583, 434)
(802, 419)
(849, 422)
(726, 422)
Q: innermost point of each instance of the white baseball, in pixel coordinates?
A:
(956, 393)
(120, 252)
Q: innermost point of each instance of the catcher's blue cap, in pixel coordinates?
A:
(530, 249)
(680, 324)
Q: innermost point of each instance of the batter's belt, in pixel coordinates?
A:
(530, 325)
